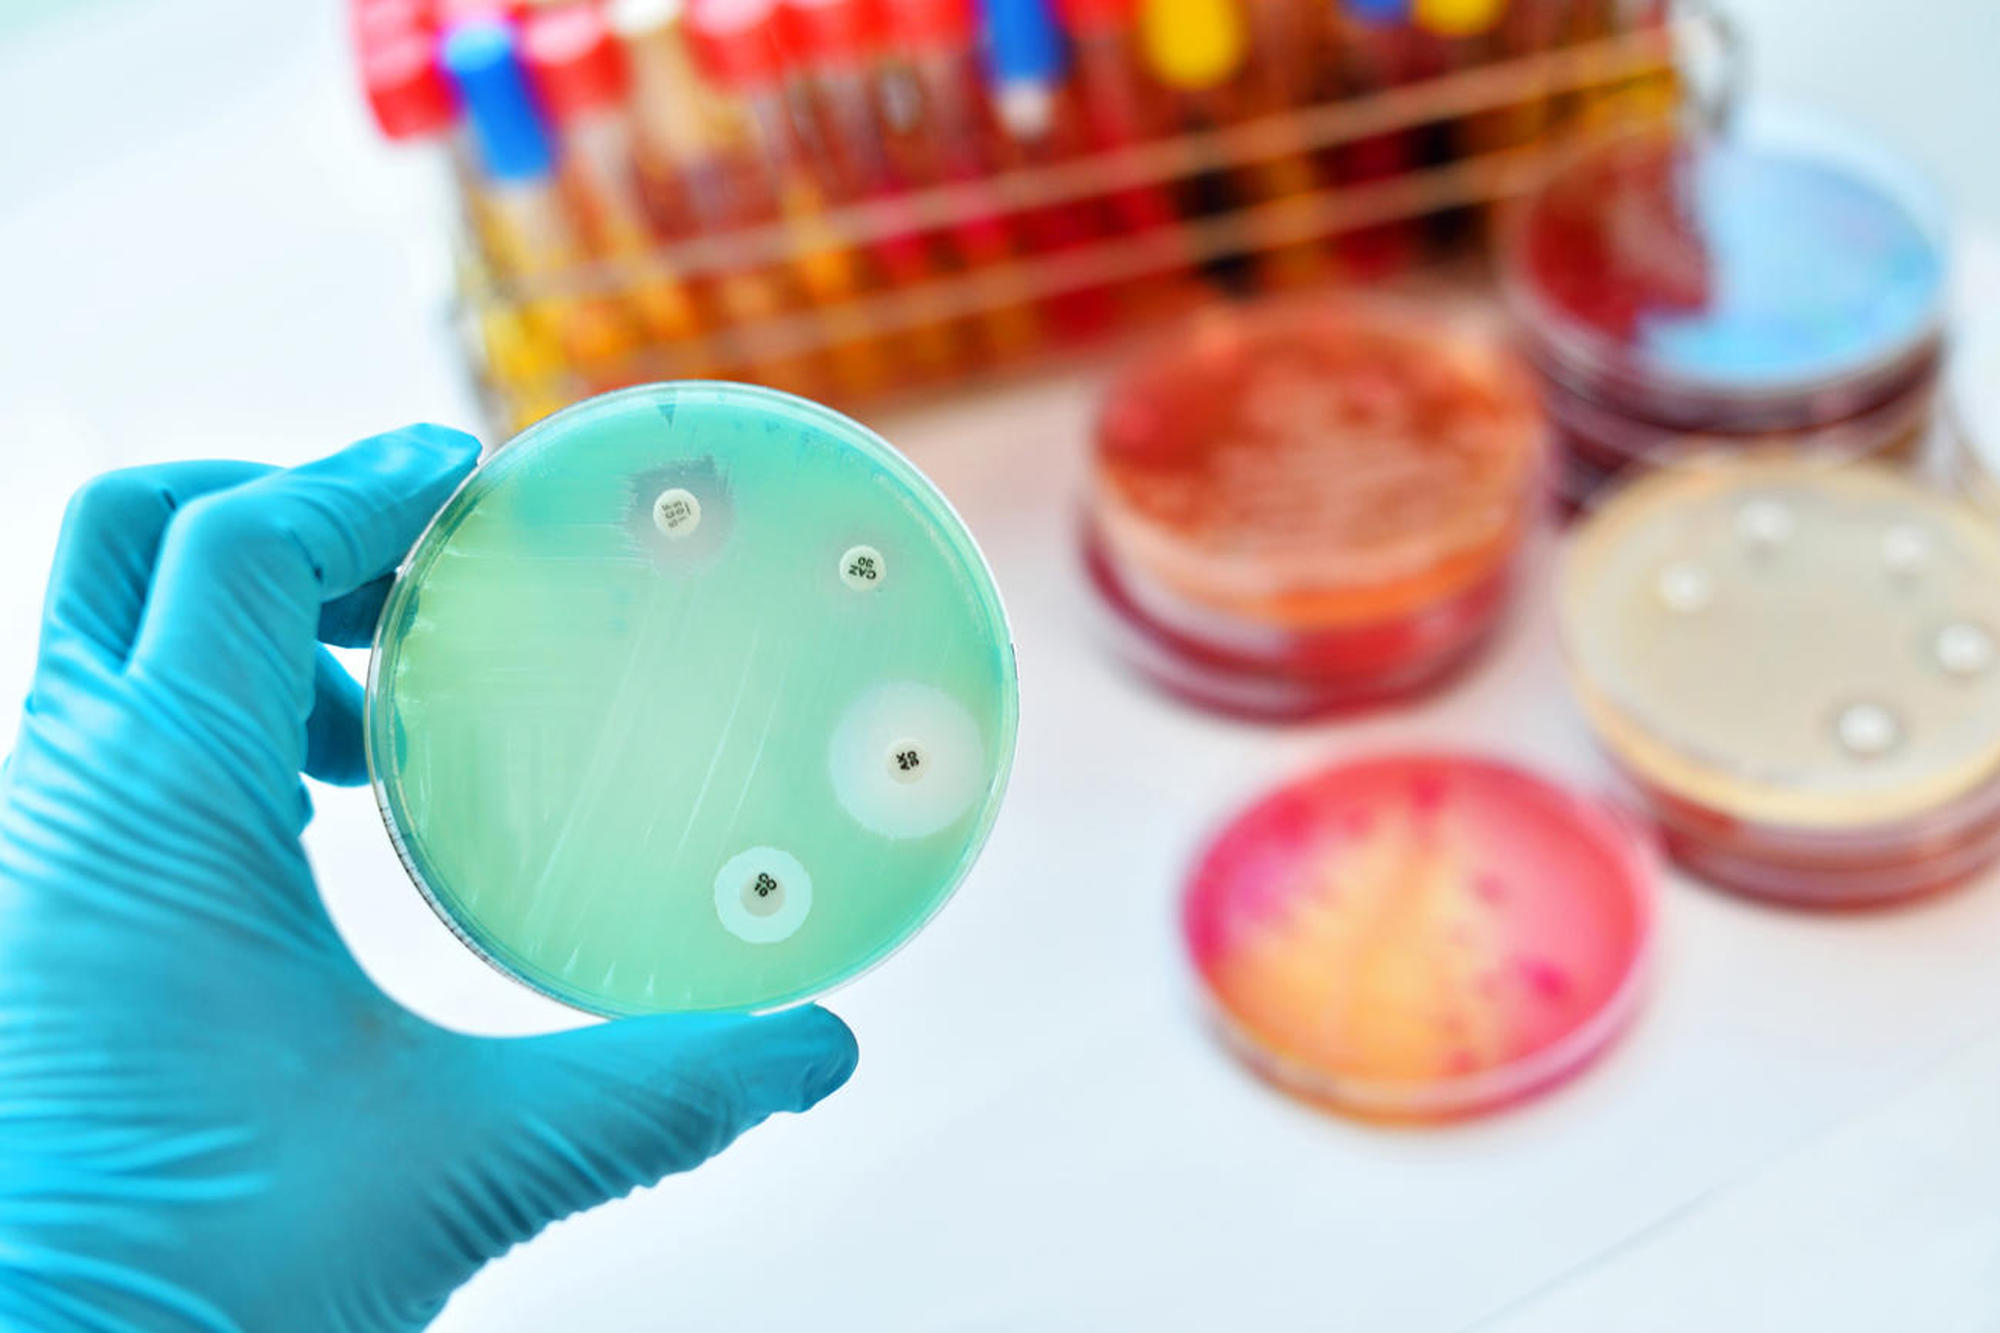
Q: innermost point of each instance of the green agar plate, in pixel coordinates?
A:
(694, 697)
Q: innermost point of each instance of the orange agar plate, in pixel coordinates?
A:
(1295, 508)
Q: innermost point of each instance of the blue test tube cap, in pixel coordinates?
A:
(1379, 11)
(484, 61)
(1023, 42)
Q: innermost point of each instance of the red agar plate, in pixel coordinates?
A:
(1422, 936)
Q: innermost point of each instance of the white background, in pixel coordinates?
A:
(203, 250)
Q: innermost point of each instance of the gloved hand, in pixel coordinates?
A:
(209, 1117)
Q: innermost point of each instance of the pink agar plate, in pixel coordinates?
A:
(1422, 936)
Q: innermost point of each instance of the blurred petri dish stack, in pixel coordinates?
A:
(1798, 669)
(1422, 936)
(1769, 286)
(695, 697)
(1298, 508)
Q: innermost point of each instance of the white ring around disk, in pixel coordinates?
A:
(866, 780)
(732, 890)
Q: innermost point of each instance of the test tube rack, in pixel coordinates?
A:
(1689, 64)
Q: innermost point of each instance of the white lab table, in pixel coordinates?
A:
(1805, 1121)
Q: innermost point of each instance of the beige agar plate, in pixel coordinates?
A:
(1796, 646)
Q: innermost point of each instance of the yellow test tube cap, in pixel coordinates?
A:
(1192, 44)
(1458, 18)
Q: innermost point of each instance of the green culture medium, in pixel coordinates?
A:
(695, 697)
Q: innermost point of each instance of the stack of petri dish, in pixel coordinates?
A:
(1422, 936)
(1681, 291)
(694, 697)
(1798, 669)
(1297, 508)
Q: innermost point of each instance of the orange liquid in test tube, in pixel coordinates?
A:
(580, 77)
(701, 177)
(1203, 50)
(1035, 113)
(1124, 107)
(736, 43)
(836, 45)
(528, 234)
(928, 108)
(1376, 49)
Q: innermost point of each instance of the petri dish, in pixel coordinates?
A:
(1770, 284)
(1417, 936)
(695, 697)
(1302, 507)
(1798, 668)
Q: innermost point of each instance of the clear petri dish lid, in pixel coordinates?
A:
(695, 697)
(1315, 463)
(1790, 645)
(1779, 270)
(1422, 935)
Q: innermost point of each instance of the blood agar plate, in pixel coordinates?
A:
(1798, 668)
(1765, 285)
(1302, 507)
(695, 697)
(1416, 936)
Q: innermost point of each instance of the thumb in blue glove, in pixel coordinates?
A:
(210, 1119)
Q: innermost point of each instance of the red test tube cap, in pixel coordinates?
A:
(1092, 16)
(832, 31)
(381, 20)
(929, 25)
(576, 64)
(406, 90)
(451, 13)
(735, 41)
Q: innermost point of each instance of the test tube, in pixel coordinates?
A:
(837, 44)
(530, 235)
(1377, 50)
(1452, 36)
(412, 101)
(1587, 22)
(414, 105)
(934, 127)
(736, 45)
(1526, 28)
(579, 74)
(1202, 49)
(1652, 95)
(1027, 74)
(701, 177)
(1122, 106)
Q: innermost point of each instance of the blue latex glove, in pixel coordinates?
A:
(209, 1117)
